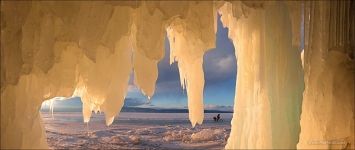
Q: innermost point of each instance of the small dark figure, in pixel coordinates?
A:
(216, 119)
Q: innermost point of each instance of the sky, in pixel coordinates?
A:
(220, 74)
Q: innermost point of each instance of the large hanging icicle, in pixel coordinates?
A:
(189, 39)
(102, 84)
(148, 38)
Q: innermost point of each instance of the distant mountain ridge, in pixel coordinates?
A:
(138, 110)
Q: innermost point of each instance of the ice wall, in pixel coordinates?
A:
(327, 120)
(269, 81)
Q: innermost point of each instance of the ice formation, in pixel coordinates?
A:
(269, 82)
(88, 49)
(327, 119)
(189, 39)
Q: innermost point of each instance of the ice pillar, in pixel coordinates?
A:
(327, 119)
(269, 83)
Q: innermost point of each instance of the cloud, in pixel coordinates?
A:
(132, 102)
(219, 67)
(218, 107)
(225, 64)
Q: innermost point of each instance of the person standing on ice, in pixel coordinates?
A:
(216, 119)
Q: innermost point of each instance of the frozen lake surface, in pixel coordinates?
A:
(135, 131)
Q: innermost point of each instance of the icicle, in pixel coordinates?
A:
(51, 107)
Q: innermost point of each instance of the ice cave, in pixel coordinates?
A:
(295, 64)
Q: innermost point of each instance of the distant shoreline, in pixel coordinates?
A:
(138, 110)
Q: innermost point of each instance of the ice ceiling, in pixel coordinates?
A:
(88, 49)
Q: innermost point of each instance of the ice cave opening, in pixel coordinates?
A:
(65, 127)
(88, 49)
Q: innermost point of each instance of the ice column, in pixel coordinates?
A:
(327, 119)
(269, 83)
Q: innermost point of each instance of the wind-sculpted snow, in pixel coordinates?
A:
(135, 131)
(88, 49)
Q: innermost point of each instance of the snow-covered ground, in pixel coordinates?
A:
(135, 131)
